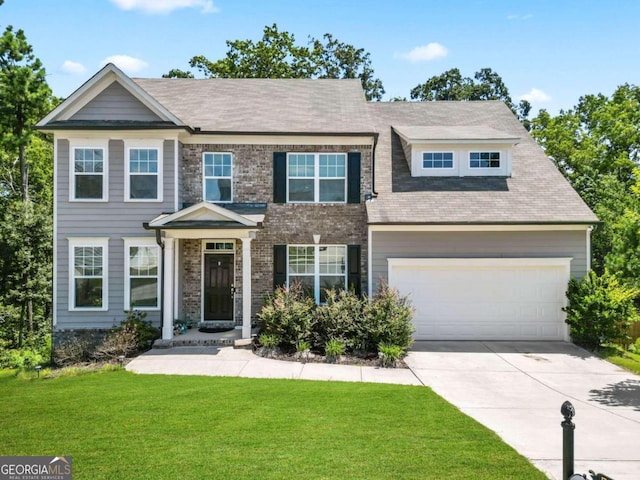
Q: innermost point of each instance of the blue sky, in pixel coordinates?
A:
(550, 52)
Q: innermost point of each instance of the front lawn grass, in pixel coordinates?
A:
(621, 357)
(117, 425)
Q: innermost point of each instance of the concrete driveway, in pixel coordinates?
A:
(516, 389)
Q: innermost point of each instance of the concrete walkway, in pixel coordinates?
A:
(230, 362)
(516, 389)
(513, 388)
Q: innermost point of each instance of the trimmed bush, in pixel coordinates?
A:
(388, 320)
(288, 314)
(601, 309)
(340, 317)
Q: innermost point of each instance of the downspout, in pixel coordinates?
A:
(161, 299)
(374, 194)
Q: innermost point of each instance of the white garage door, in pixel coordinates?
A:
(484, 298)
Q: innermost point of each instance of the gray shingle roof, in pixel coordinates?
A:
(452, 133)
(535, 193)
(264, 105)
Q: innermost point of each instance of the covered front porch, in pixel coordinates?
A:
(206, 273)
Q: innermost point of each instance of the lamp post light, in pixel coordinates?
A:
(38, 368)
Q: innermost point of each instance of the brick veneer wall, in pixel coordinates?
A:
(344, 224)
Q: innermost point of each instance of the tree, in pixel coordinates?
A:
(277, 55)
(596, 147)
(24, 98)
(485, 85)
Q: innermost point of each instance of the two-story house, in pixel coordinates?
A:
(192, 198)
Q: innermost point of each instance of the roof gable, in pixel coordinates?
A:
(100, 83)
(204, 212)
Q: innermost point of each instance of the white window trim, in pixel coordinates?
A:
(317, 178)
(316, 268)
(89, 144)
(139, 242)
(143, 145)
(89, 242)
(499, 168)
(204, 177)
(438, 169)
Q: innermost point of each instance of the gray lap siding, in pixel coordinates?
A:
(114, 219)
(559, 243)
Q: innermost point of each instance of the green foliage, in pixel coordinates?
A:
(276, 55)
(485, 85)
(340, 317)
(334, 348)
(303, 347)
(600, 309)
(288, 314)
(388, 320)
(269, 340)
(390, 355)
(23, 358)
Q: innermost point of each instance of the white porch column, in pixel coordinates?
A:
(167, 294)
(246, 288)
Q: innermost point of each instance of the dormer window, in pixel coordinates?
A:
(437, 160)
(484, 160)
(456, 151)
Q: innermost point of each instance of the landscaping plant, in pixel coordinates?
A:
(601, 309)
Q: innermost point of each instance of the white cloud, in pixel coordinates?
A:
(73, 68)
(126, 63)
(535, 95)
(425, 53)
(165, 6)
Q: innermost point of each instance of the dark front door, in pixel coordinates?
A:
(218, 292)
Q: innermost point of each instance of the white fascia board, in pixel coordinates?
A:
(198, 234)
(479, 228)
(481, 262)
(96, 84)
(274, 139)
(232, 216)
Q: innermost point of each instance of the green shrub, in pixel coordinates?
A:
(334, 348)
(303, 346)
(340, 317)
(21, 358)
(269, 340)
(288, 313)
(388, 320)
(600, 310)
(389, 355)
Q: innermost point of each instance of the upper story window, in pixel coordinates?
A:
(88, 273)
(437, 159)
(316, 177)
(484, 159)
(88, 173)
(317, 268)
(143, 169)
(217, 177)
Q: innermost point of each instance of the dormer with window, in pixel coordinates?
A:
(460, 151)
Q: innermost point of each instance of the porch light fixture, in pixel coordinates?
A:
(316, 239)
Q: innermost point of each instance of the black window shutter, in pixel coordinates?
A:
(353, 272)
(279, 177)
(353, 177)
(279, 266)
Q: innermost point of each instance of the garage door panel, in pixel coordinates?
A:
(492, 301)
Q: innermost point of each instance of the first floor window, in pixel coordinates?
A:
(484, 160)
(142, 286)
(88, 274)
(317, 268)
(217, 177)
(88, 173)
